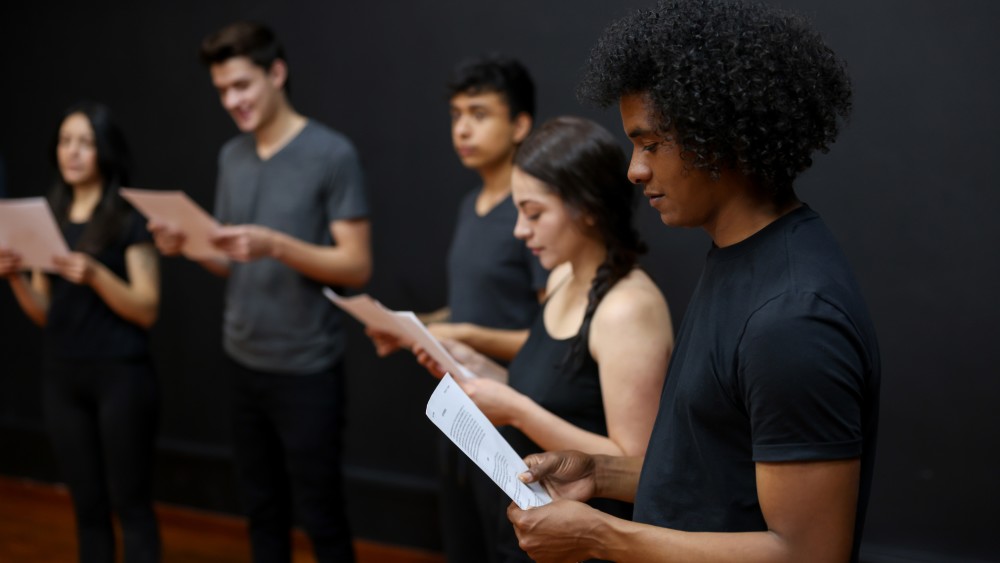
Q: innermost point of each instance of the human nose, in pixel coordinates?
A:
(521, 229)
(461, 127)
(638, 171)
(230, 99)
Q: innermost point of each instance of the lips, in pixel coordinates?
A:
(466, 151)
(242, 114)
(653, 197)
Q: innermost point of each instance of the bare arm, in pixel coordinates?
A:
(496, 343)
(32, 296)
(578, 476)
(347, 263)
(136, 300)
(809, 508)
(217, 267)
(169, 241)
(442, 315)
(630, 338)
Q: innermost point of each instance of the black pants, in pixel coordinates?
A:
(102, 420)
(287, 441)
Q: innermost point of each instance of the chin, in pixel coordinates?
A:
(246, 126)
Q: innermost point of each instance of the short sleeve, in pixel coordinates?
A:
(345, 193)
(802, 370)
(135, 229)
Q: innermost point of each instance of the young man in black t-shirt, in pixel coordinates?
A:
(764, 443)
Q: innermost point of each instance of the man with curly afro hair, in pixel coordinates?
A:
(764, 443)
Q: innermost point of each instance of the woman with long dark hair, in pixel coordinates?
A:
(99, 390)
(590, 374)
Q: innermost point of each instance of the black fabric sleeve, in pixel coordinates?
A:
(801, 373)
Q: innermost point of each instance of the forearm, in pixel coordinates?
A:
(132, 305)
(617, 477)
(334, 265)
(624, 541)
(218, 267)
(34, 304)
(494, 342)
(553, 433)
(442, 315)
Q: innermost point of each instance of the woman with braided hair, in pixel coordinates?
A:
(589, 376)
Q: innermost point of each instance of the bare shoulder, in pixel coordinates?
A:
(632, 326)
(635, 298)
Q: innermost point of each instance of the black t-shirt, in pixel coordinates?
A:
(776, 360)
(80, 325)
(493, 279)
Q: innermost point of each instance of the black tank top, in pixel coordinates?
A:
(542, 371)
(567, 389)
(570, 390)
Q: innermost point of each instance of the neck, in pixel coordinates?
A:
(745, 211)
(85, 200)
(496, 177)
(585, 264)
(279, 129)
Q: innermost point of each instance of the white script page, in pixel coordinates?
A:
(452, 411)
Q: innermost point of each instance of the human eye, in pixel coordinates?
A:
(650, 147)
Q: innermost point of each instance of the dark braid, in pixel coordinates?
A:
(584, 165)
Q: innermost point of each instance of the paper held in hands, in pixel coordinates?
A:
(176, 209)
(451, 410)
(28, 227)
(404, 325)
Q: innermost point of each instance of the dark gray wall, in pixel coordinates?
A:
(909, 189)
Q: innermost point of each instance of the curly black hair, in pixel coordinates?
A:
(738, 85)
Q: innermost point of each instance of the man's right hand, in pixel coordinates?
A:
(169, 241)
(565, 474)
(384, 342)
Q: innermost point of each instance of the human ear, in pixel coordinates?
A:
(278, 73)
(522, 126)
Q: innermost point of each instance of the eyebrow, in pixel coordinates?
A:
(639, 132)
(526, 202)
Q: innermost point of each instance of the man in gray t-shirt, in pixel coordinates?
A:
(290, 194)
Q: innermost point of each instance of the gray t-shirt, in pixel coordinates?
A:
(493, 279)
(276, 319)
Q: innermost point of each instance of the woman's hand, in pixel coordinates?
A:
(76, 267)
(10, 263)
(498, 401)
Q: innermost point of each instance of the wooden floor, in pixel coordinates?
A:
(36, 526)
